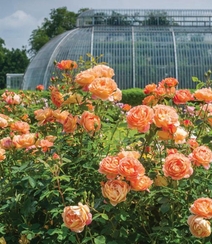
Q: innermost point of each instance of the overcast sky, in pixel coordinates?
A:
(18, 18)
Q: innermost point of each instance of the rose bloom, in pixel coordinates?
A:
(56, 97)
(44, 144)
(60, 116)
(171, 151)
(132, 154)
(3, 123)
(24, 141)
(177, 166)
(126, 107)
(192, 143)
(44, 115)
(164, 135)
(40, 87)
(90, 122)
(140, 117)
(187, 123)
(102, 70)
(70, 124)
(77, 217)
(169, 82)
(150, 88)
(130, 168)
(86, 77)
(201, 155)
(165, 117)
(11, 98)
(141, 183)
(198, 226)
(102, 88)
(150, 100)
(74, 98)
(67, 65)
(20, 126)
(116, 96)
(2, 154)
(182, 96)
(204, 94)
(180, 136)
(208, 110)
(109, 166)
(202, 207)
(6, 143)
(115, 190)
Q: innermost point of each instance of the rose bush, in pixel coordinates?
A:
(79, 166)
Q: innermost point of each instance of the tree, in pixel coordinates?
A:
(11, 61)
(60, 21)
(158, 18)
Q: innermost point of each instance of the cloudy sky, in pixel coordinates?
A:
(18, 18)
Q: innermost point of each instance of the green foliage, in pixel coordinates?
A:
(133, 96)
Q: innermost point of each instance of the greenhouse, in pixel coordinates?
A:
(142, 46)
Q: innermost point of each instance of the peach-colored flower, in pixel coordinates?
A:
(207, 108)
(126, 107)
(72, 99)
(11, 98)
(182, 96)
(70, 124)
(132, 154)
(177, 166)
(140, 117)
(6, 143)
(60, 116)
(202, 207)
(115, 190)
(77, 217)
(116, 96)
(44, 144)
(109, 166)
(150, 89)
(44, 115)
(3, 122)
(180, 136)
(150, 100)
(187, 123)
(40, 87)
(165, 117)
(86, 77)
(130, 168)
(169, 82)
(56, 97)
(50, 138)
(102, 88)
(20, 126)
(198, 226)
(171, 151)
(201, 155)
(24, 140)
(141, 183)
(204, 94)
(2, 154)
(67, 65)
(192, 143)
(102, 70)
(90, 122)
(164, 135)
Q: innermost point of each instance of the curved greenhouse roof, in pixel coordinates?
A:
(142, 46)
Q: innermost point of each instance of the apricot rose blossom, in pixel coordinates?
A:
(202, 207)
(90, 122)
(109, 166)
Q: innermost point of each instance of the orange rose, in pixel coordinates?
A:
(90, 122)
(126, 107)
(2, 154)
(11, 98)
(109, 166)
(150, 88)
(116, 96)
(164, 135)
(67, 65)
(140, 117)
(169, 82)
(130, 168)
(59, 116)
(141, 183)
(56, 97)
(198, 226)
(165, 117)
(102, 70)
(132, 154)
(86, 77)
(150, 100)
(204, 94)
(192, 143)
(177, 166)
(103, 88)
(6, 143)
(201, 155)
(40, 87)
(202, 207)
(182, 96)
(73, 98)
(20, 126)
(24, 141)
(70, 124)
(3, 123)
(77, 217)
(44, 144)
(44, 115)
(115, 190)
(180, 136)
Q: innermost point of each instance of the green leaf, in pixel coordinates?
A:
(104, 216)
(32, 182)
(100, 240)
(165, 207)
